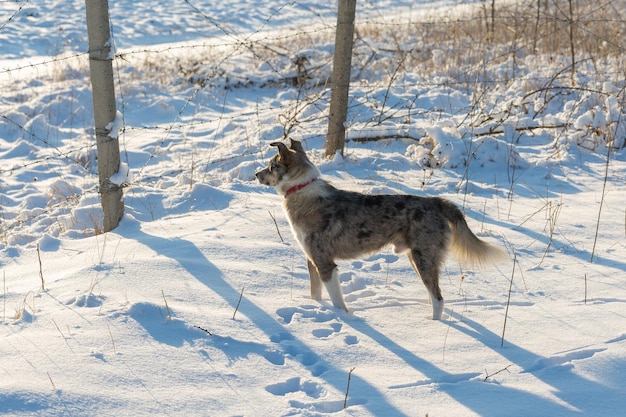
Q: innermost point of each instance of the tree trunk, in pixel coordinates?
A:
(104, 110)
(342, 62)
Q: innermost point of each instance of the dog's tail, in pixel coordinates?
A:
(465, 246)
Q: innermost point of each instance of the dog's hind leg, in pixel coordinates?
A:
(428, 269)
(316, 281)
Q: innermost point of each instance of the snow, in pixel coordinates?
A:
(123, 176)
(198, 303)
(115, 125)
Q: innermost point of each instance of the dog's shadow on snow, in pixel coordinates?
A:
(194, 262)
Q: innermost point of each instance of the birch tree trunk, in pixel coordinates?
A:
(342, 61)
(104, 110)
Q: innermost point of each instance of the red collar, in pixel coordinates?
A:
(298, 187)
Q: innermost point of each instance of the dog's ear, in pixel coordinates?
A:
(285, 154)
(296, 145)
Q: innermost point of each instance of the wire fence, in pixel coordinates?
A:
(191, 73)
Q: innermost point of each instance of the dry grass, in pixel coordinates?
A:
(462, 45)
(471, 47)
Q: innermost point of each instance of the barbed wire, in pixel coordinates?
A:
(233, 44)
(19, 9)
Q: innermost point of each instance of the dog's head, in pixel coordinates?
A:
(290, 168)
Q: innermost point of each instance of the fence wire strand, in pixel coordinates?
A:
(458, 49)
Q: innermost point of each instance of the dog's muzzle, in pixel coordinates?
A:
(261, 176)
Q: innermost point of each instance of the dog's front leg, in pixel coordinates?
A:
(330, 277)
(316, 281)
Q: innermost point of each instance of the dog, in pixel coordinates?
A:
(332, 224)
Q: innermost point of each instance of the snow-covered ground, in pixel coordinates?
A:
(197, 304)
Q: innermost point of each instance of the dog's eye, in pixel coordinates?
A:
(274, 165)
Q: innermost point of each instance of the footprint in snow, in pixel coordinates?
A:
(287, 314)
(316, 314)
(325, 333)
(292, 385)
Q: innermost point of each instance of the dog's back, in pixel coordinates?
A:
(353, 224)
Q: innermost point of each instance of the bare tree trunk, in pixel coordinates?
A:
(536, 31)
(493, 16)
(104, 110)
(571, 43)
(342, 61)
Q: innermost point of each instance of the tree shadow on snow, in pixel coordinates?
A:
(552, 242)
(577, 394)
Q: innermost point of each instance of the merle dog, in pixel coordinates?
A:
(332, 224)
